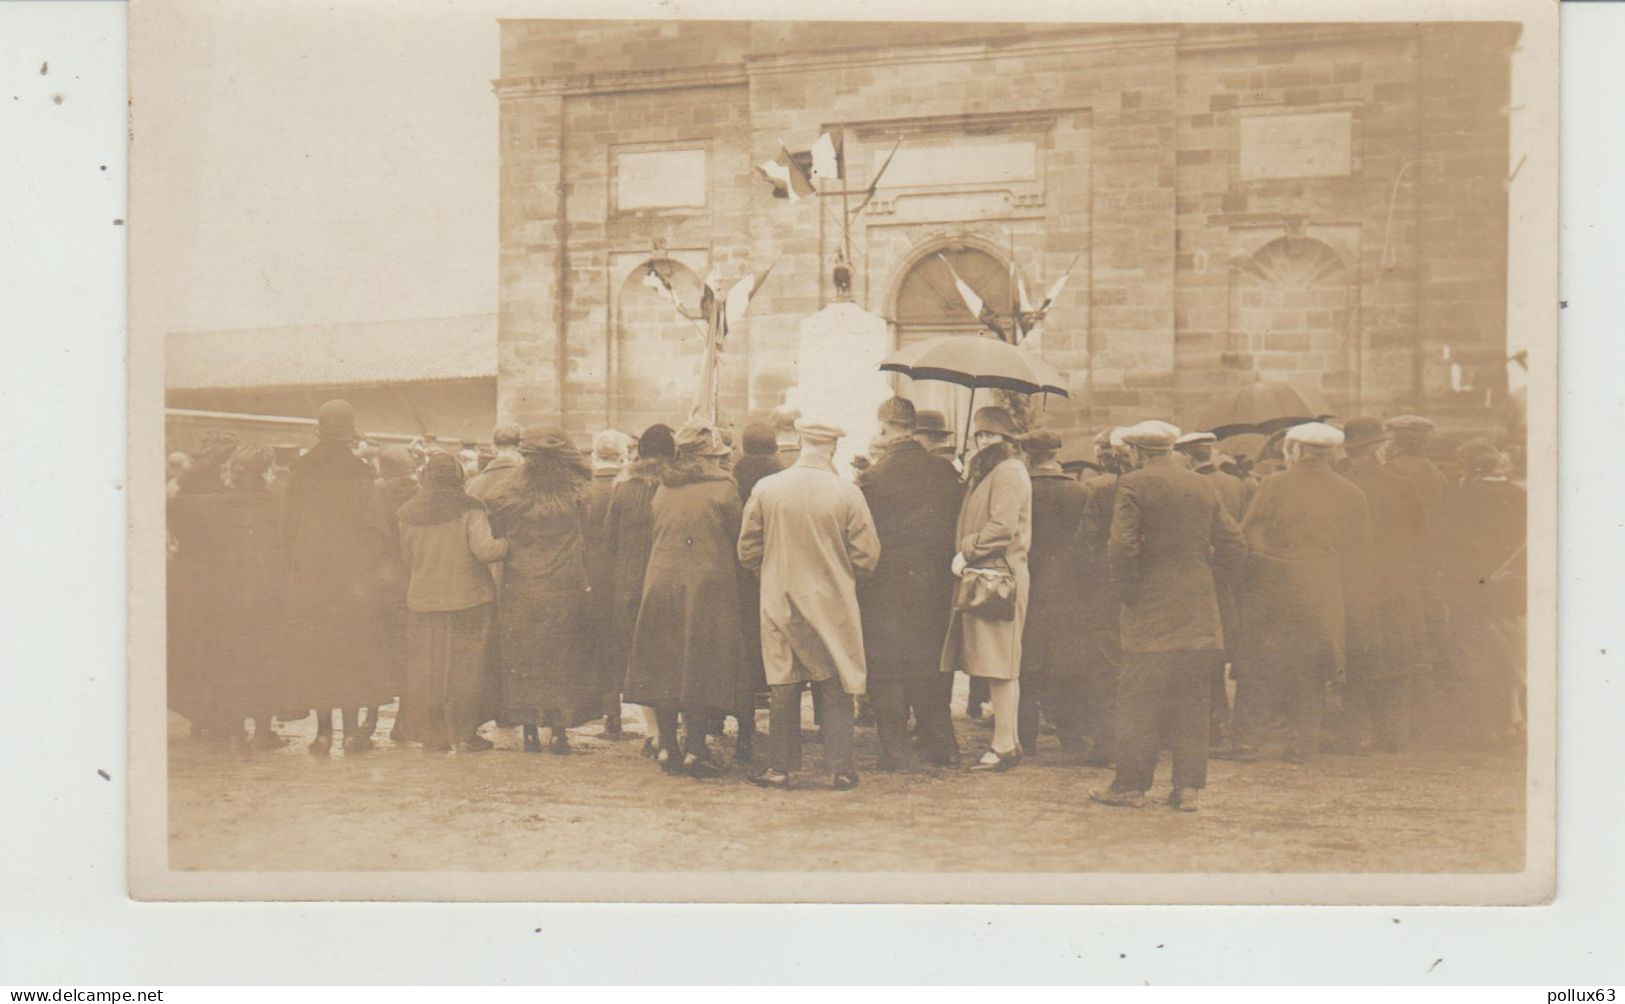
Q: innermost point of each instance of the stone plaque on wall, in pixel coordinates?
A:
(1307, 145)
(962, 161)
(659, 179)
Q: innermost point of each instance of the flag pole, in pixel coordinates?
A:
(846, 215)
(970, 409)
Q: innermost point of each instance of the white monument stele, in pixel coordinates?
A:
(839, 377)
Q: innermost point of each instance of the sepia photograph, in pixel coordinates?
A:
(614, 455)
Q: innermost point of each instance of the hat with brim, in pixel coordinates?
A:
(1042, 441)
(701, 439)
(931, 423)
(1315, 434)
(818, 432)
(994, 419)
(1358, 432)
(540, 440)
(1154, 436)
(1196, 439)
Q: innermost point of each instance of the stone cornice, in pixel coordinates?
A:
(1090, 39)
(622, 81)
(1102, 38)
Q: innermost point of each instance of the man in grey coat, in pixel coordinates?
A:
(809, 534)
(1170, 536)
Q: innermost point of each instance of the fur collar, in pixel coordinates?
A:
(983, 462)
(691, 471)
(545, 486)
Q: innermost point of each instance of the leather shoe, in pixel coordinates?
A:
(995, 762)
(322, 744)
(771, 778)
(1121, 799)
(846, 782)
(478, 744)
(1184, 799)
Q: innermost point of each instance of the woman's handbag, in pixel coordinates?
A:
(987, 592)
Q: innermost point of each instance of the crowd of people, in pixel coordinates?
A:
(1122, 598)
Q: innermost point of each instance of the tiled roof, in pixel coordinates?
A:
(333, 355)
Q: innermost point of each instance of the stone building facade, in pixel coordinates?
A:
(1320, 204)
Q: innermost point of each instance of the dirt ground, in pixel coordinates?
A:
(606, 808)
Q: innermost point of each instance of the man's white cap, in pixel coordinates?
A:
(1315, 434)
(1192, 438)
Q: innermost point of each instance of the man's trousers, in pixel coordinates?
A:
(928, 696)
(784, 726)
(1163, 693)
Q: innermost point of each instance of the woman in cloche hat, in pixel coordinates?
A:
(994, 531)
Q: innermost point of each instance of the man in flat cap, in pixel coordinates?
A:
(1053, 656)
(1098, 614)
(914, 499)
(1387, 638)
(1198, 449)
(1171, 538)
(1305, 531)
(1408, 456)
(808, 533)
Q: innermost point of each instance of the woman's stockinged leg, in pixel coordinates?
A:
(1006, 701)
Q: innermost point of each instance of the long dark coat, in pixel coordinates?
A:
(687, 646)
(1477, 528)
(547, 676)
(601, 594)
(1304, 530)
(995, 524)
(337, 543)
(1054, 642)
(225, 600)
(1098, 616)
(1171, 540)
(1422, 473)
(914, 499)
(628, 535)
(1387, 638)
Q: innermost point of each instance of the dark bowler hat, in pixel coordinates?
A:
(931, 423)
(1363, 431)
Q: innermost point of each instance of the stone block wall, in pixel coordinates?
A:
(1377, 284)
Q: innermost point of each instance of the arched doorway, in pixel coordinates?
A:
(658, 352)
(1292, 307)
(929, 305)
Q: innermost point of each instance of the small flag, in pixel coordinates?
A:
(1055, 290)
(967, 294)
(739, 298)
(828, 158)
(788, 178)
